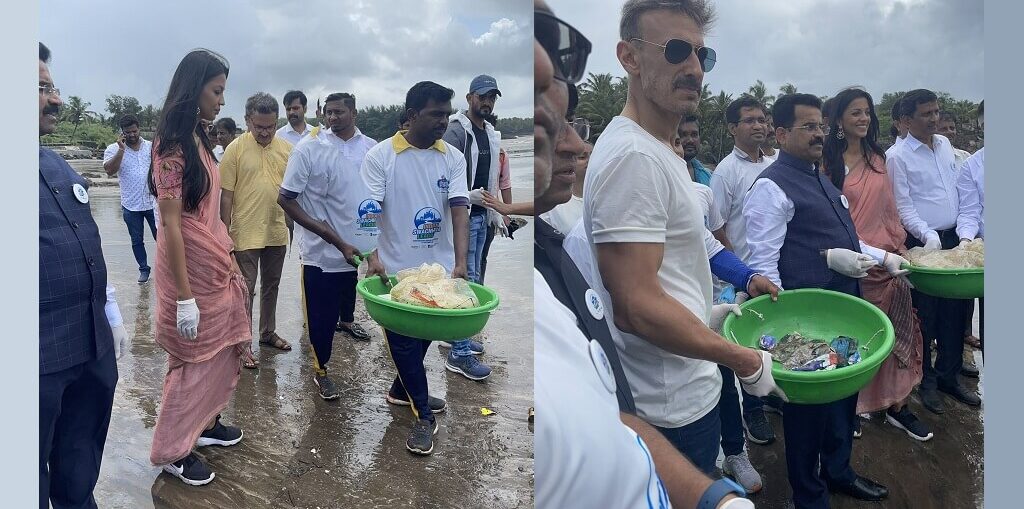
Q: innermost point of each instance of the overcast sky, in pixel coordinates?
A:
(821, 46)
(374, 49)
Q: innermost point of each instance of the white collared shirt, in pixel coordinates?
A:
(767, 211)
(970, 222)
(291, 135)
(133, 175)
(892, 148)
(924, 183)
(729, 184)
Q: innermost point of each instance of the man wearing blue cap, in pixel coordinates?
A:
(471, 133)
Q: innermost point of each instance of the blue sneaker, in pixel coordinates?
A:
(467, 366)
(475, 347)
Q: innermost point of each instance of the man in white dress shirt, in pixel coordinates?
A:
(923, 170)
(970, 221)
(295, 108)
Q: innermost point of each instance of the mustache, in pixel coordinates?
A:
(51, 110)
(817, 141)
(690, 82)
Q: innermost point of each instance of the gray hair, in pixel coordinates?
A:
(261, 103)
(629, 25)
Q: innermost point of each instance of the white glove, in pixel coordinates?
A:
(476, 197)
(120, 340)
(742, 297)
(762, 383)
(719, 312)
(965, 242)
(893, 264)
(932, 241)
(188, 319)
(849, 263)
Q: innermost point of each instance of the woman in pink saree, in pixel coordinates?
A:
(856, 165)
(201, 313)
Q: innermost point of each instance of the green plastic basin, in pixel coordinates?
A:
(429, 324)
(948, 283)
(820, 314)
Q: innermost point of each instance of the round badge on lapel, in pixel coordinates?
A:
(594, 304)
(80, 193)
(602, 366)
(846, 203)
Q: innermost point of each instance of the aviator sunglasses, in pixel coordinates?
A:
(678, 50)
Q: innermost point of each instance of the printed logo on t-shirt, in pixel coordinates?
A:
(427, 224)
(442, 185)
(369, 214)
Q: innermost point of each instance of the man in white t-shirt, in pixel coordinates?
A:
(323, 191)
(129, 159)
(420, 183)
(563, 217)
(644, 219)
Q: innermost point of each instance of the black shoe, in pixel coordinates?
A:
(961, 394)
(143, 276)
(773, 404)
(932, 400)
(759, 430)
(862, 488)
(190, 470)
(907, 421)
(421, 438)
(969, 370)
(325, 386)
(437, 405)
(220, 435)
(356, 331)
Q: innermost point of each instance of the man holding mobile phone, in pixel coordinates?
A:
(129, 159)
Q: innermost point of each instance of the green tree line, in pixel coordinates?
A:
(602, 97)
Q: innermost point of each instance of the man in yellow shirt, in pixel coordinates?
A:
(251, 173)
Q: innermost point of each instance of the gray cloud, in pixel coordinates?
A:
(822, 46)
(376, 50)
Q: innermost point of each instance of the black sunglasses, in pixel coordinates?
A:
(678, 50)
(566, 46)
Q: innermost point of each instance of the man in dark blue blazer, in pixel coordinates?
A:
(80, 329)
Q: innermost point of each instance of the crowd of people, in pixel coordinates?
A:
(223, 208)
(641, 251)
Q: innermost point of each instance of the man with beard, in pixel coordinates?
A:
(801, 235)
(129, 159)
(687, 144)
(295, 108)
(324, 193)
(419, 181)
(80, 329)
(224, 134)
(924, 174)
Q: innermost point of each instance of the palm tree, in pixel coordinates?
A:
(76, 111)
(788, 88)
(601, 98)
(760, 92)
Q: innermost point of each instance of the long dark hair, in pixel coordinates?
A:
(832, 154)
(179, 120)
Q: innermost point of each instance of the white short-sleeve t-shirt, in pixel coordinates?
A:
(638, 190)
(585, 456)
(330, 188)
(413, 186)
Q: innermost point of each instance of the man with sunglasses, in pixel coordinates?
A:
(800, 234)
(643, 218)
(600, 460)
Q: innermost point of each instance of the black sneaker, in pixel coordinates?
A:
(969, 370)
(437, 405)
(421, 438)
(759, 430)
(356, 331)
(773, 404)
(190, 470)
(143, 276)
(907, 421)
(326, 387)
(220, 435)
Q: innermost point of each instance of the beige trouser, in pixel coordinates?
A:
(269, 261)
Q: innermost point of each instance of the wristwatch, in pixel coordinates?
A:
(719, 490)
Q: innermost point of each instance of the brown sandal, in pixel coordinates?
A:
(249, 360)
(972, 340)
(276, 341)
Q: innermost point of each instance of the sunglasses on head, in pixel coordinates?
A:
(566, 46)
(678, 50)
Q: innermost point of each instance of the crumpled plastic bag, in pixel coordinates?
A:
(971, 255)
(429, 286)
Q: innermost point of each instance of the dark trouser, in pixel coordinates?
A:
(322, 296)
(729, 410)
(942, 320)
(74, 413)
(981, 325)
(818, 433)
(135, 221)
(408, 354)
(269, 262)
(487, 249)
(698, 441)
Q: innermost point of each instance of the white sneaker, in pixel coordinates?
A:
(739, 468)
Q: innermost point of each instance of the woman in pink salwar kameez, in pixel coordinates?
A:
(852, 148)
(201, 313)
